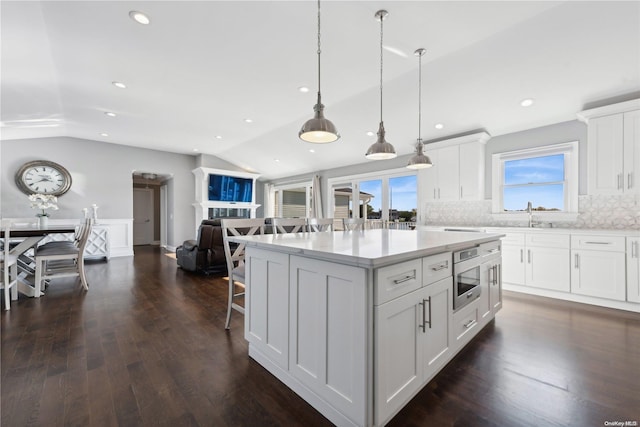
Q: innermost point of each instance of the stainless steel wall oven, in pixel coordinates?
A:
(466, 277)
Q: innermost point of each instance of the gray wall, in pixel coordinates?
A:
(101, 174)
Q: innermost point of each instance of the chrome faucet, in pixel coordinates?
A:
(529, 209)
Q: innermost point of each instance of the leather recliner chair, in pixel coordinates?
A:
(206, 253)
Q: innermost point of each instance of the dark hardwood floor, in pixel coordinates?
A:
(146, 346)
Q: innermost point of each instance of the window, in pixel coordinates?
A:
(290, 200)
(545, 176)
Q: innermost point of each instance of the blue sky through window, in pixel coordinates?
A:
(539, 180)
(404, 191)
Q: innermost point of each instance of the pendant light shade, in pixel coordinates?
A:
(419, 160)
(318, 129)
(381, 149)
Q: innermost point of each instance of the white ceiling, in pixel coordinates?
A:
(200, 68)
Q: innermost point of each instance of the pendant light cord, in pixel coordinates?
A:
(381, 19)
(319, 51)
(419, 96)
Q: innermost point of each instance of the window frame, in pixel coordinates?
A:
(571, 178)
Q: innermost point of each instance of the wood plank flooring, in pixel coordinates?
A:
(146, 346)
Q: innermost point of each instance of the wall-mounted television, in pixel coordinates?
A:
(225, 188)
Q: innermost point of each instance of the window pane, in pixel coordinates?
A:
(534, 170)
(542, 197)
(342, 201)
(293, 203)
(371, 198)
(403, 198)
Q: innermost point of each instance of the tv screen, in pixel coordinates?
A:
(223, 188)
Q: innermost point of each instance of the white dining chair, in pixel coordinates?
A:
(289, 225)
(234, 254)
(353, 224)
(62, 260)
(320, 224)
(9, 265)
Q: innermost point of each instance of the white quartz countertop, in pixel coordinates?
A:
(369, 248)
(574, 231)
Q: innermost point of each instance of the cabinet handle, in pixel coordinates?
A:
(630, 180)
(434, 193)
(577, 261)
(424, 315)
(404, 279)
(598, 243)
(491, 273)
(529, 256)
(620, 181)
(521, 255)
(438, 192)
(634, 249)
(440, 266)
(469, 323)
(461, 191)
(429, 321)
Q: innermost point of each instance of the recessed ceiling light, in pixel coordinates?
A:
(303, 89)
(370, 133)
(248, 120)
(218, 136)
(104, 134)
(439, 126)
(119, 84)
(195, 150)
(312, 151)
(139, 17)
(276, 160)
(110, 114)
(528, 102)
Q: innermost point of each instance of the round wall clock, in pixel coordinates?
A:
(43, 177)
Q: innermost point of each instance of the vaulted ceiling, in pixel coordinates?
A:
(199, 69)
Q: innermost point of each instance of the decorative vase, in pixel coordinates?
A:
(43, 221)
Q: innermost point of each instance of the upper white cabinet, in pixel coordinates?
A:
(458, 169)
(613, 148)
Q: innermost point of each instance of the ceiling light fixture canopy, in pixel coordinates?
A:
(319, 129)
(419, 160)
(381, 149)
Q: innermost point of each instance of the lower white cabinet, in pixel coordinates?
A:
(598, 266)
(538, 260)
(413, 343)
(633, 269)
(490, 300)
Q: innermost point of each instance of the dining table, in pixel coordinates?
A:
(29, 236)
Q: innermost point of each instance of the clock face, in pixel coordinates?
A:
(43, 177)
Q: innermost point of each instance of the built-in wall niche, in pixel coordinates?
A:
(222, 193)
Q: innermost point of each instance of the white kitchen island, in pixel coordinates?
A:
(356, 323)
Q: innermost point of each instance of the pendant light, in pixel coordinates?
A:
(318, 129)
(381, 149)
(419, 160)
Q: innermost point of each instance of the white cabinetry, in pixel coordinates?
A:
(538, 260)
(458, 169)
(633, 269)
(598, 266)
(613, 148)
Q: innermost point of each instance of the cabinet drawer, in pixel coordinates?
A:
(437, 267)
(465, 322)
(396, 280)
(598, 243)
(548, 240)
(513, 239)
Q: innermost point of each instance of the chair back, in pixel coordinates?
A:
(84, 232)
(353, 224)
(320, 224)
(289, 225)
(238, 227)
(6, 229)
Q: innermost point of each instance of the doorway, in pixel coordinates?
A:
(143, 216)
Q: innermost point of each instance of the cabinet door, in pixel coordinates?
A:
(486, 277)
(398, 352)
(605, 155)
(513, 264)
(633, 269)
(471, 171)
(598, 274)
(548, 268)
(429, 178)
(328, 332)
(266, 320)
(437, 331)
(448, 173)
(632, 151)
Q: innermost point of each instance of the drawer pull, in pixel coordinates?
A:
(470, 294)
(597, 243)
(469, 323)
(404, 279)
(439, 267)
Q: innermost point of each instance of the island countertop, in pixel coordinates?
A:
(369, 248)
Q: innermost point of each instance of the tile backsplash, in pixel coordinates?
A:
(595, 212)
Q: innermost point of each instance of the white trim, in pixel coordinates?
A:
(481, 137)
(607, 110)
(571, 170)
